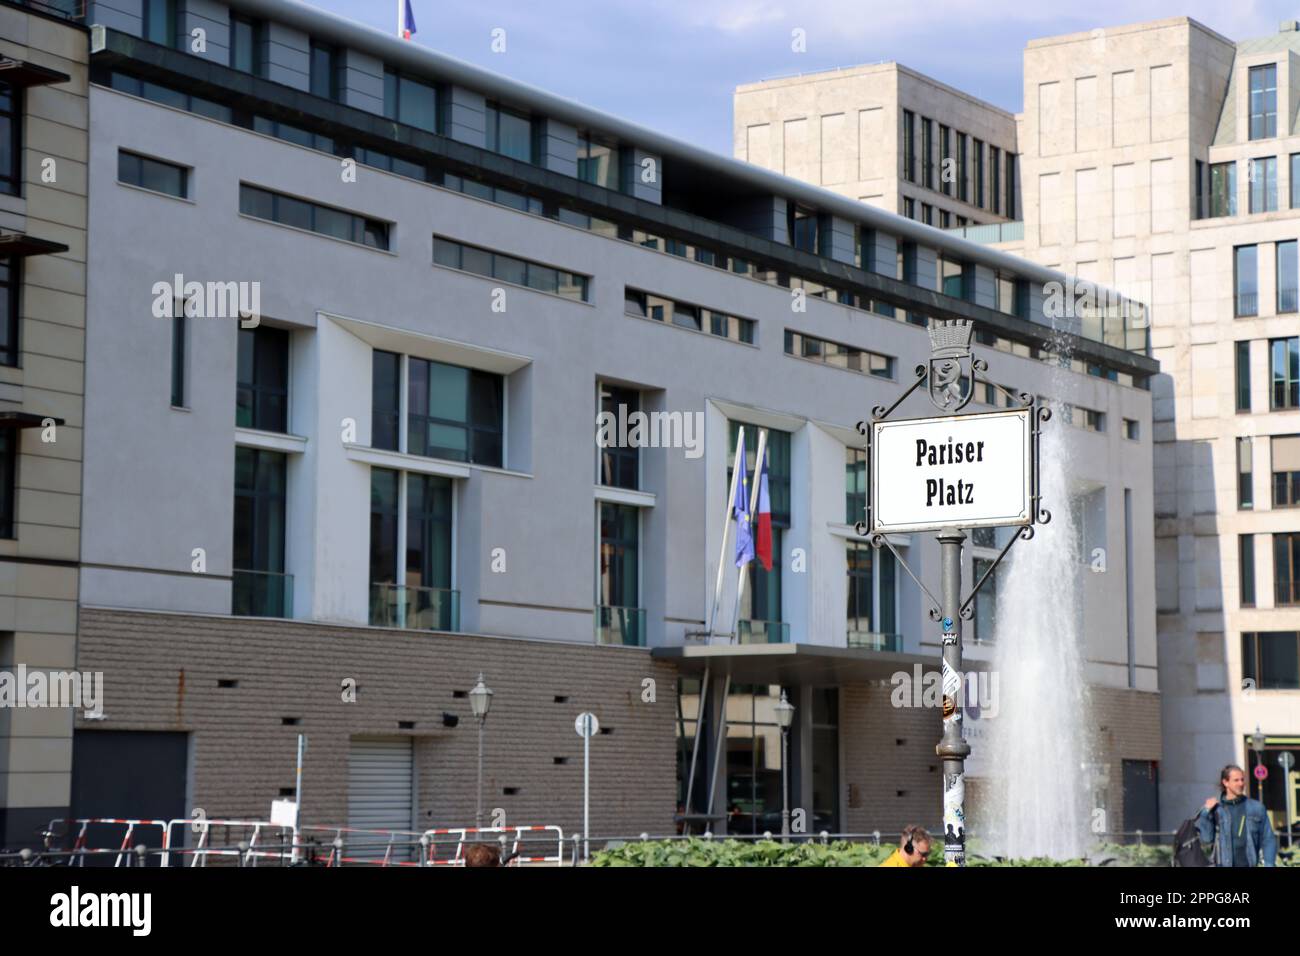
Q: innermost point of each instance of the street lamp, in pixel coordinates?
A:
(480, 700)
(784, 718)
(1257, 741)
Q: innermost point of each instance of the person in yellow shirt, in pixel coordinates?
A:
(913, 848)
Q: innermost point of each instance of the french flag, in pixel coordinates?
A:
(405, 19)
(763, 540)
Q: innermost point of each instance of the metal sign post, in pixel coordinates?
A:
(587, 726)
(945, 474)
(1286, 760)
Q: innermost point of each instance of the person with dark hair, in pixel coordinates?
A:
(913, 848)
(1238, 826)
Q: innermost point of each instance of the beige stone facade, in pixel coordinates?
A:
(38, 562)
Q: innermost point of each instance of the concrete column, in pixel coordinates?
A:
(214, 20)
(286, 56)
(559, 147)
(466, 116)
(642, 174)
(361, 81)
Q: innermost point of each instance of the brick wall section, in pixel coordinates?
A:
(876, 766)
(161, 673)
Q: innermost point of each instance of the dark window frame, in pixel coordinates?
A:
(1252, 660)
(11, 282)
(260, 403)
(478, 433)
(133, 165)
(11, 179)
(362, 227)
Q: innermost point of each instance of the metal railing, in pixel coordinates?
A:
(762, 632)
(1246, 304)
(414, 608)
(1288, 300)
(991, 232)
(261, 594)
(620, 625)
(875, 641)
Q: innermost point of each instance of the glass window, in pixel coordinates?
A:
(1284, 373)
(619, 584)
(8, 473)
(428, 531)
(978, 147)
(454, 413)
(1263, 184)
(262, 379)
(963, 173)
(509, 133)
(945, 153)
(1271, 659)
(160, 21)
(246, 44)
(10, 281)
(986, 601)
(153, 174)
(1246, 566)
(909, 146)
(1263, 101)
(1223, 189)
(410, 101)
(324, 71)
(995, 180)
(386, 400)
(1286, 568)
(1245, 276)
(384, 512)
(1287, 276)
(1013, 161)
(1245, 473)
(1286, 470)
(927, 153)
(179, 355)
(11, 128)
(301, 214)
(855, 484)
(598, 161)
(259, 526)
(1243, 375)
(1295, 180)
(618, 462)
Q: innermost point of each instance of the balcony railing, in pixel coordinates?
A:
(1247, 304)
(620, 625)
(1287, 300)
(873, 641)
(261, 594)
(992, 232)
(762, 632)
(414, 608)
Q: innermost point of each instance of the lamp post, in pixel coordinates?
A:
(784, 718)
(1257, 741)
(480, 700)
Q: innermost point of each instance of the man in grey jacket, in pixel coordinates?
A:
(1238, 826)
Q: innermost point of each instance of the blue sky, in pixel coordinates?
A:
(672, 64)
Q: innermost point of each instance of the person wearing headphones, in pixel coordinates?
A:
(913, 848)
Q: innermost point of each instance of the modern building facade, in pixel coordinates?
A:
(342, 451)
(1160, 159)
(43, 259)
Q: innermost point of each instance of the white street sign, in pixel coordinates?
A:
(960, 471)
(587, 725)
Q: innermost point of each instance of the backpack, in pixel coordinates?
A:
(1187, 846)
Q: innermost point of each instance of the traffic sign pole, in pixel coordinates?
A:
(1286, 760)
(587, 726)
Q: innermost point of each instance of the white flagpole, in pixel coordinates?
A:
(753, 503)
(401, 18)
(726, 533)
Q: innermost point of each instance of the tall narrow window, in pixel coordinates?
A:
(509, 133)
(160, 21)
(1246, 566)
(1263, 184)
(598, 161)
(246, 44)
(1284, 373)
(324, 71)
(963, 174)
(1243, 375)
(619, 462)
(1223, 189)
(761, 615)
(1012, 188)
(1286, 568)
(1295, 180)
(8, 475)
(1245, 275)
(945, 158)
(384, 511)
(927, 153)
(619, 620)
(11, 139)
(179, 356)
(1199, 209)
(262, 379)
(995, 180)
(1245, 473)
(855, 484)
(986, 601)
(260, 586)
(1263, 101)
(9, 285)
(909, 146)
(1287, 276)
(978, 146)
(386, 400)
(430, 602)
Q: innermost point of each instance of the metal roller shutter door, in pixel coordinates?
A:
(379, 787)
